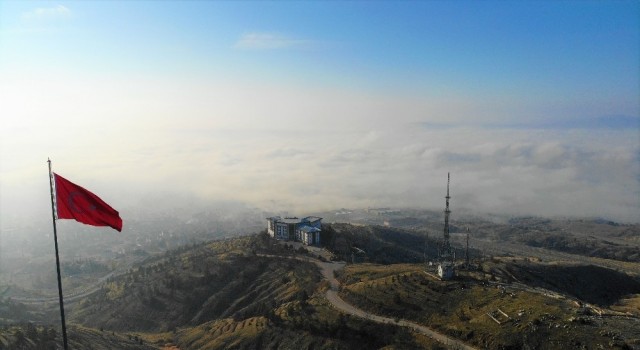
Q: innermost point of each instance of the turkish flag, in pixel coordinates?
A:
(75, 202)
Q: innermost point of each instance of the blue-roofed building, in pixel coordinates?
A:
(306, 230)
(308, 235)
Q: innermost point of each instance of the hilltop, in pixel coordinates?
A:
(241, 293)
(192, 286)
(253, 291)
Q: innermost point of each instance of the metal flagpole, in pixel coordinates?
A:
(55, 239)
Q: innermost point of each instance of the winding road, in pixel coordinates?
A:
(70, 297)
(328, 268)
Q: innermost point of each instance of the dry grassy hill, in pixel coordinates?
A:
(528, 318)
(252, 292)
(587, 283)
(30, 337)
(206, 282)
(245, 293)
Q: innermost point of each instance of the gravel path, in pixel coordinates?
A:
(328, 269)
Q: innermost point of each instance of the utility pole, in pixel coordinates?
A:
(466, 254)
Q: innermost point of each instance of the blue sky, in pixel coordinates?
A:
(216, 88)
(588, 49)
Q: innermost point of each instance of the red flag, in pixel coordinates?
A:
(75, 202)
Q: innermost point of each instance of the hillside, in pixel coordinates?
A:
(206, 282)
(588, 283)
(244, 293)
(30, 337)
(380, 244)
(588, 237)
(534, 318)
(253, 292)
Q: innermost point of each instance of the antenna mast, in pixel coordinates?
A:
(446, 245)
(466, 253)
(446, 268)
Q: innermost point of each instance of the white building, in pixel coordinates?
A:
(306, 230)
(446, 271)
(308, 235)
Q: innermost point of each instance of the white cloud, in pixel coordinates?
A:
(269, 41)
(58, 11)
(300, 150)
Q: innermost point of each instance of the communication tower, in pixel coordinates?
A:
(445, 268)
(446, 252)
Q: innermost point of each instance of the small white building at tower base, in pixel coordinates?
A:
(446, 271)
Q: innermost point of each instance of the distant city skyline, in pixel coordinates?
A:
(533, 106)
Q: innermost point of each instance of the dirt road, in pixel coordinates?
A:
(328, 269)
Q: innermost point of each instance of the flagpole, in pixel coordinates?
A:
(55, 239)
